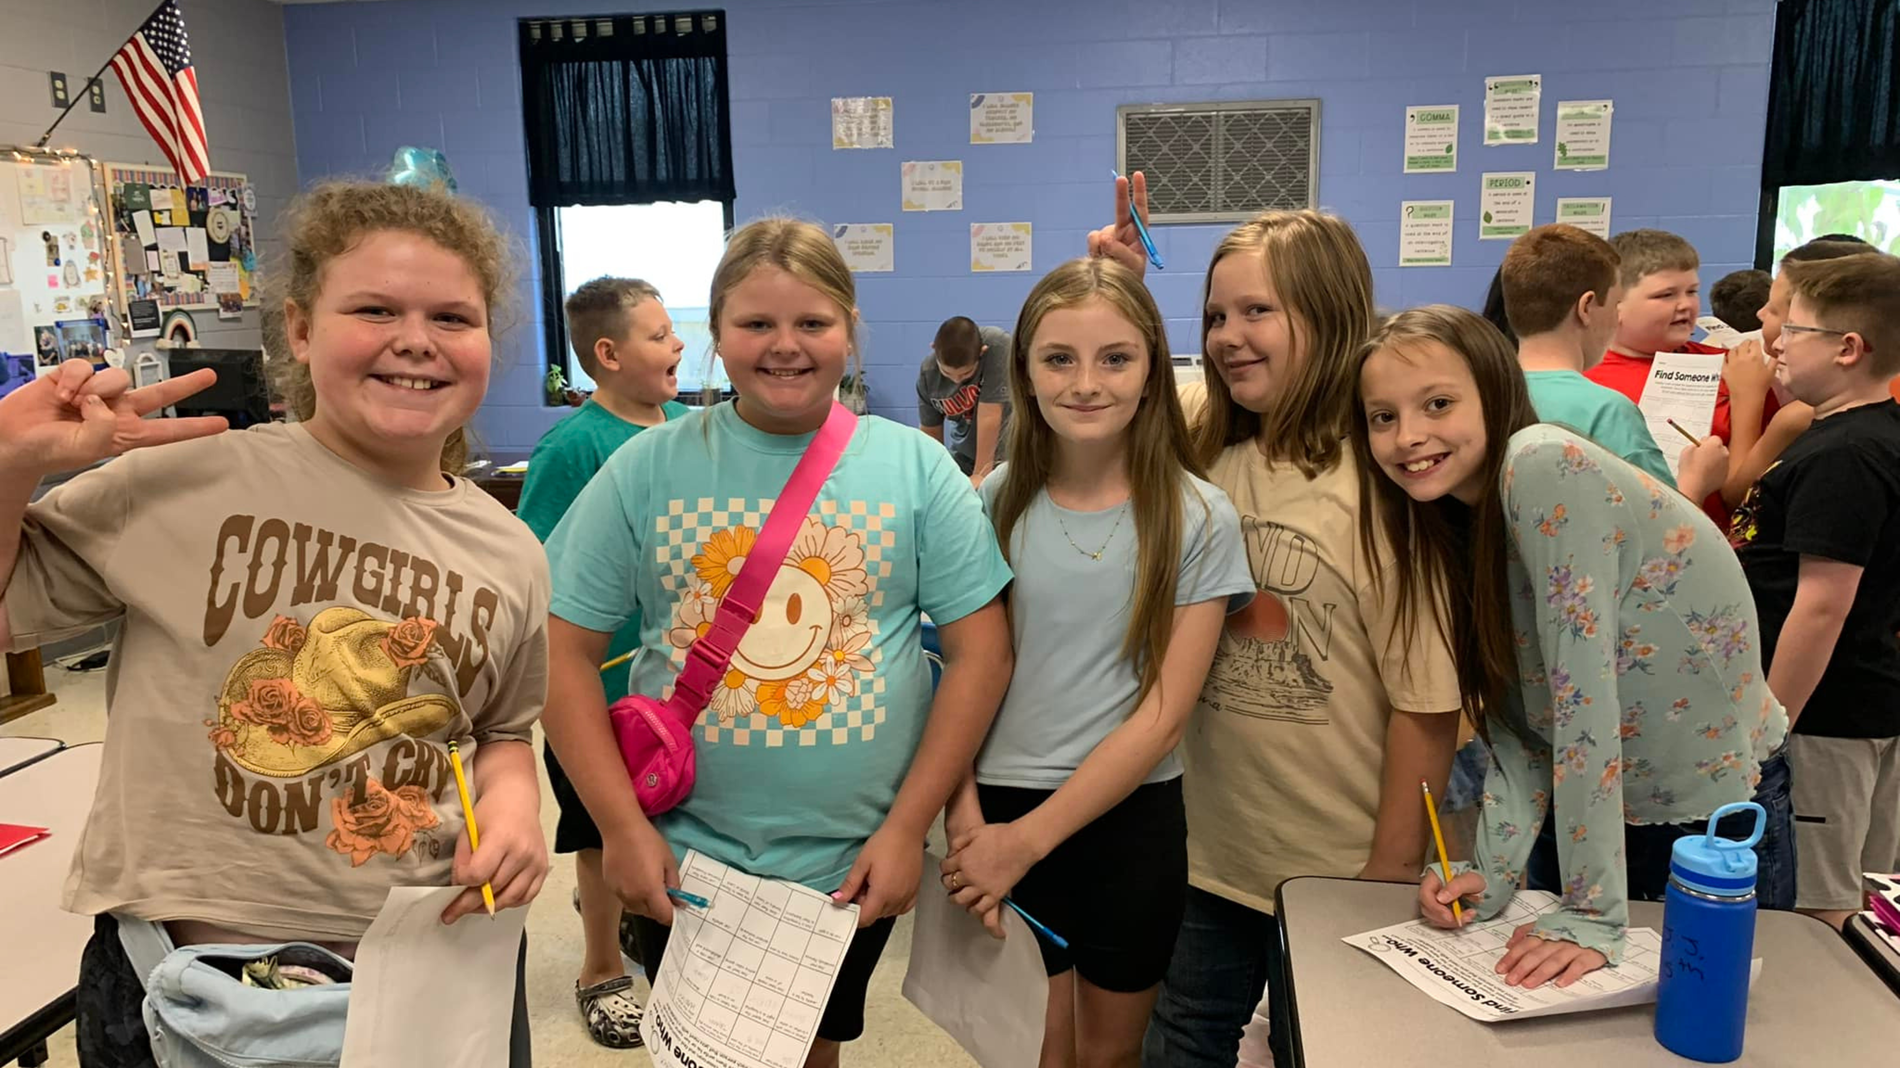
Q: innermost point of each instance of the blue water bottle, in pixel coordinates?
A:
(1708, 941)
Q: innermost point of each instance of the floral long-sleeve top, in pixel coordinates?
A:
(1644, 698)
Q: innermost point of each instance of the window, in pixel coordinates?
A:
(629, 167)
(1867, 210)
(674, 246)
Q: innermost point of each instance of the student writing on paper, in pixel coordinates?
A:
(1661, 300)
(1127, 563)
(1562, 294)
(822, 757)
(309, 612)
(963, 391)
(1604, 644)
(624, 339)
(1317, 722)
(1819, 538)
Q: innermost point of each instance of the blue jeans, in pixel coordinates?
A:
(1647, 848)
(1215, 979)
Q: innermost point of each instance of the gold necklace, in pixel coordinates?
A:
(1097, 554)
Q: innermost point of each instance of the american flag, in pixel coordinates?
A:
(155, 68)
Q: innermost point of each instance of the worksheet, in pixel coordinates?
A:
(428, 993)
(991, 996)
(1456, 967)
(745, 980)
(1682, 386)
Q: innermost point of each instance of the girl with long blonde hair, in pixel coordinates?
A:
(1322, 711)
(1127, 561)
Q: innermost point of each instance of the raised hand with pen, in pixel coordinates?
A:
(1122, 241)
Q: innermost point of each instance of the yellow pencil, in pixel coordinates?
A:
(475, 836)
(1438, 835)
(616, 661)
(1693, 440)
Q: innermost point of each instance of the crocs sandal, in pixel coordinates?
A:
(612, 1016)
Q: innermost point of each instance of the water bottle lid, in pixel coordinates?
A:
(1719, 866)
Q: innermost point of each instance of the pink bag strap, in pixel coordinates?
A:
(709, 656)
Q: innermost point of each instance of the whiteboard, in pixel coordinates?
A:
(55, 264)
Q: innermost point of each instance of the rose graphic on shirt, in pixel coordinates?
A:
(804, 653)
(382, 821)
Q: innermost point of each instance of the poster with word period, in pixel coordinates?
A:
(867, 247)
(1425, 233)
(861, 122)
(1586, 213)
(999, 246)
(933, 185)
(1506, 203)
(1431, 139)
(1583, 135)
(1511, 106)
(1002, 118)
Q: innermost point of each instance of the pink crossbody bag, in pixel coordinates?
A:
(656, 736)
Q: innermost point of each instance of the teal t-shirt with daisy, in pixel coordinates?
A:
(808, 737)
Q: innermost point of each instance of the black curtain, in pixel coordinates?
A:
(1834, 100)
(628, 109)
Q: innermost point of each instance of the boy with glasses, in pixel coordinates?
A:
(1819, 538)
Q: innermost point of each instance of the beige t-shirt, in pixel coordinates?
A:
(298, 643)
(1284, 752)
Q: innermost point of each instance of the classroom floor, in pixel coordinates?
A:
(896, 1034)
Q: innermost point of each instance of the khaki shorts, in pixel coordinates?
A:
(1846, 815)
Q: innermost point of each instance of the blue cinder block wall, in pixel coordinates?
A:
(1689, 78)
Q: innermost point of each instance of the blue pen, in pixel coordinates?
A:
(691, 899)
(1060, 942)
(1141, 228)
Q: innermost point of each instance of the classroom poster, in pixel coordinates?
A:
(933, 185)
(1002, 118)
(1000, 246)
(1586, 213)
(1425, 233)
(46, 195)
(1583, 135)
(861, 122)
(1511, 106)
(1431, 139)
(1505, 206)
(172, 237)
(867, 247)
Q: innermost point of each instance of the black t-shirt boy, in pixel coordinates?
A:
(1834, 494)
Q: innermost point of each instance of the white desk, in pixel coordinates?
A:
(16, 753)
(43, 942)
(1351, 1010)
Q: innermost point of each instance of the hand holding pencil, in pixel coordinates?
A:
(1439, 889)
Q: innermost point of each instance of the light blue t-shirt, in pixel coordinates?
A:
(806, 740)
(1601, 414)
(1069, 615)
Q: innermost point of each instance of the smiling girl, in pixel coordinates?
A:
(1323, 710)
(1126, 563)
(822, 758)
(1621, 691)
(286, 725)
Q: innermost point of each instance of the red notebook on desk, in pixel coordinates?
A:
(13, 836)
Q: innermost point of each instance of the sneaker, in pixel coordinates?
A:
(611, 1014)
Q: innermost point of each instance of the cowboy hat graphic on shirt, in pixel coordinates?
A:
(314, 695)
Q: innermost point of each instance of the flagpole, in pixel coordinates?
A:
(98, 74)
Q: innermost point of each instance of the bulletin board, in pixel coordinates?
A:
(55, 263)
(183, 246)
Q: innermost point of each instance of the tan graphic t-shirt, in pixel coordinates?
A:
(1283, 754)
(298, 644)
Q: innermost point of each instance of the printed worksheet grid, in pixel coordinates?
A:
(759, 963)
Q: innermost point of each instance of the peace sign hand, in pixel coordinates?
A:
(74, 418)
(1122, 242)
